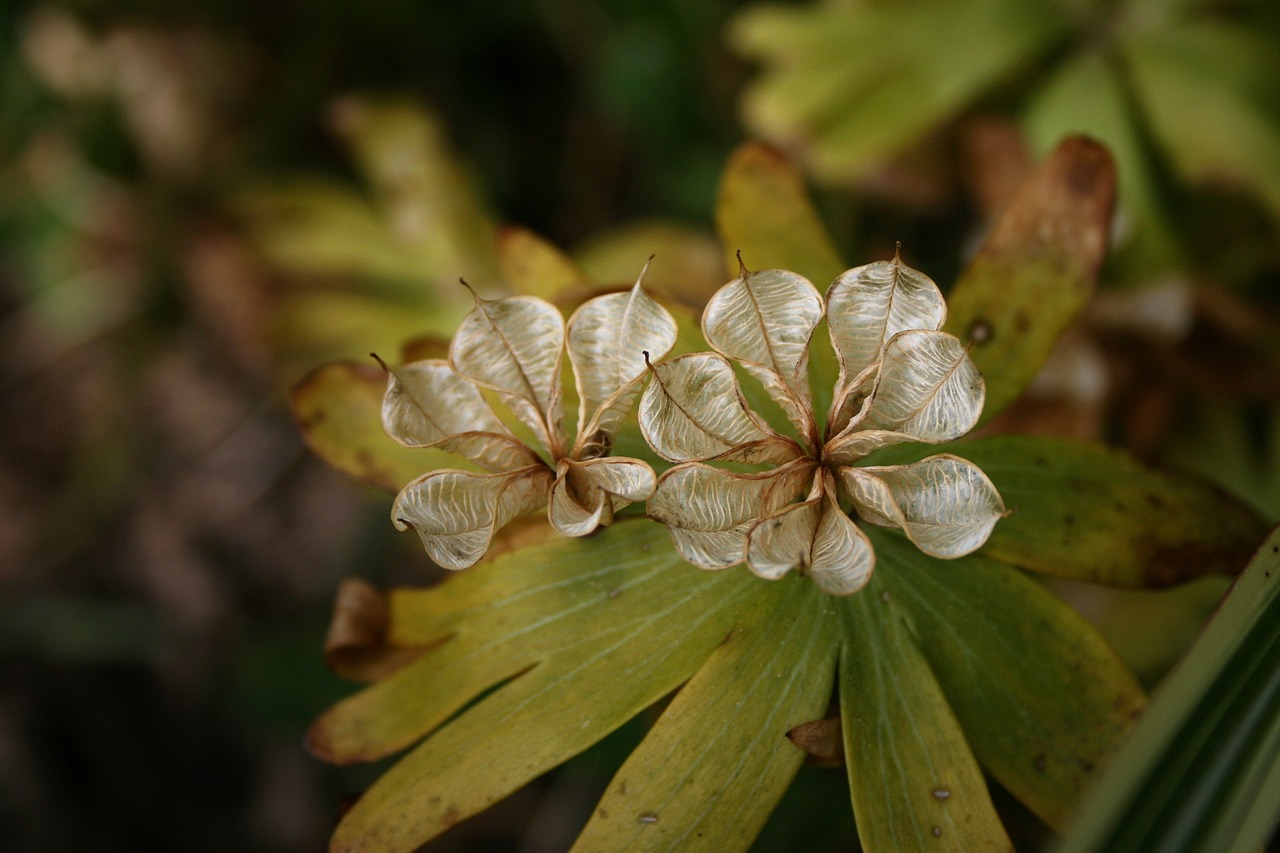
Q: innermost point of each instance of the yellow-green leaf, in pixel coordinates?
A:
(338, 409)
(535, 267)
(914, 782)
(1036, 269)
(1043, 700)
(734, 758)
(593, 631)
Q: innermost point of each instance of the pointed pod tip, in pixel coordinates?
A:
(644, 270)
(378, 359)
(897, 252)
(742, 267)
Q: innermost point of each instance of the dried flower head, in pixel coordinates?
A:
(514, 347)
(901, 379)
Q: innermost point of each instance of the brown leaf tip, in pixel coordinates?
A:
(742, 268)
(378, 358)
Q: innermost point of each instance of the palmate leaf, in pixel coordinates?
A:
(733, 765)
(1093, 513)
(589, 632)
(577, 636)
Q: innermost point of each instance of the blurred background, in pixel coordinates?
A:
(201, 203)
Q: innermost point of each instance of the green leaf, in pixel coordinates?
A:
(1092, 513)
(686, 260)
(1036, 269)
(764, 211)
(914, 782)
(1043, 700)
(1087, 96)
(586, 633)
(338, 409)
(853, 85)
(735, 760)
(1202, 771)
(1192, 83)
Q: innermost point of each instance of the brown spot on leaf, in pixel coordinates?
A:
(979, 331)
(821, 740)
(451, 816)
(936, 832)
(1041, 762)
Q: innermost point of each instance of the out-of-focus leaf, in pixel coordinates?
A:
(1041, 697)
(735, 760)
(851, 86)
(1202, 770)
(686, 261)
(1195, 70)
(535, 267)
(944, 504)
(764, 211)
(338, 409)
(693, 409)
(764, 322)
(1088, 512)
(423, 193)
(356, 645)
(588, 632)
(915, 784)
(1086, 96)
(1036, 269)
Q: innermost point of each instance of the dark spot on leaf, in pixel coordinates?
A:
(1085, 765)
(936, 832)
(1042, 461)
(602, 813)
(1041, 762)
(980, 331)
(451, 816)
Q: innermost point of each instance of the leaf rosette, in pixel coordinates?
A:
(514, 348)
(900, 379)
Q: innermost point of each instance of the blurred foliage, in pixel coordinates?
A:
(1181, 92)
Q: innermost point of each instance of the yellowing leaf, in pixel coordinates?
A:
(1042, 697)
(607, 341)
(427, 404)
(733, 766)
(456, 513)
(709, 511)
(596, 629)
(535, 267)
(513, 346)
(915, 784)
(764, 321)
(944, 504)
(337, 408)
(1036, 269)
(693, 410)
